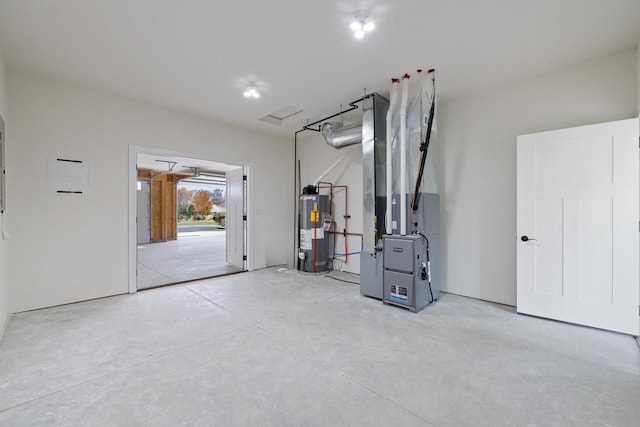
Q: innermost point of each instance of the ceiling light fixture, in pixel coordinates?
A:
(251, 92)
(360, 25)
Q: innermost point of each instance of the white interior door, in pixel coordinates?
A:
(143, 196)
(578, 204)
(234, 218)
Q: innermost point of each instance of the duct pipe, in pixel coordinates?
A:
(403, 155)
(321, 177)
(392, 104)
(339, 136)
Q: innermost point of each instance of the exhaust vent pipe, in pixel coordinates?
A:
(338, 136)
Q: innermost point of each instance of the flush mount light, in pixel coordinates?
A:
(361, 25)
(251, 92)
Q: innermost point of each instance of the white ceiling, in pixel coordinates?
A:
(196, 55)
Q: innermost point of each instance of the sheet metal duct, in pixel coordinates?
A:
(374, 192)
(338, 136)
(374, 111)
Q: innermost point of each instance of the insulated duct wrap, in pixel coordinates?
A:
(338, 136)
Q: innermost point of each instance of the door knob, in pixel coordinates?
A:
(526, 239)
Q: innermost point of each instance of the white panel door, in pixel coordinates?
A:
(578, 225)
(143, 213)
(234, 218)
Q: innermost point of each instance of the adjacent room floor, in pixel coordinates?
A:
(274, 347)
(194, 255)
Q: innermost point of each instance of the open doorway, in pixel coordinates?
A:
(190, 219)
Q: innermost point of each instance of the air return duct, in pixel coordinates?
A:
(338, 136)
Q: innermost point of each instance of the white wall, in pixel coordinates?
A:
(479, 162)
(72, 248)
(4, 244)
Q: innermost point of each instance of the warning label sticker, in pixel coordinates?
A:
(307, 236)
(306, 242)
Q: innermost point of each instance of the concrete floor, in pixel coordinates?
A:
(194, 255)
(275, 348)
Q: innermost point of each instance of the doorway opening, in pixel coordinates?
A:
(190, 219)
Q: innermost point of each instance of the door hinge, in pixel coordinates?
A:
(244, 257)
(244, 177)
(244, 217)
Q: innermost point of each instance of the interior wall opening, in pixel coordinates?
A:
(190, 219)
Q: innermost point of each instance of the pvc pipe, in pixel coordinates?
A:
(403, 155)
(321, 177)
(392, 104)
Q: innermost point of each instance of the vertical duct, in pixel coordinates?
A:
(403, 154)
(373, 169)
(373, 193)
(392, 104)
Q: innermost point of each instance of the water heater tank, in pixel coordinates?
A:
(315, 219)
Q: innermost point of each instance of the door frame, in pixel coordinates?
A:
(148, 236)
(134, 150)
(243, 173)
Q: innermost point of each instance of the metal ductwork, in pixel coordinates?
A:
(338, 136)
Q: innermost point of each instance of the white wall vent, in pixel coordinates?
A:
(67, 176)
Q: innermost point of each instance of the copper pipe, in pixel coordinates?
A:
(346, 212)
